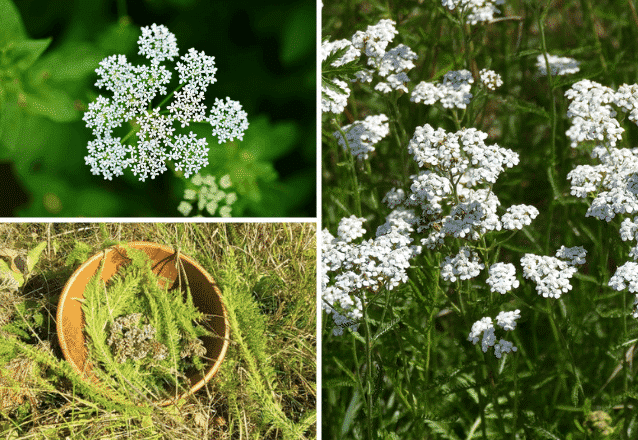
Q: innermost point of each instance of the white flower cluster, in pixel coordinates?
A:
(518, 216)
(452, 92)
(392, 64)
(626, 277)
(552, 274)
(613, 183)
(485, 327)
(134, 88)
(462, 158)
(557, 65)
(591, 114)
(209, 195)
(627, 99)
(349, 270)
(502, 278)
(628, 232)
(491, 79)
(361, 136)
(479, 10)
(464, 265)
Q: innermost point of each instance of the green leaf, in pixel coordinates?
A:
(11, 27)
(24, 53)
(34, 255)
(525, 106)
(52, 103)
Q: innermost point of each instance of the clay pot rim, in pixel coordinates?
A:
(99, 255)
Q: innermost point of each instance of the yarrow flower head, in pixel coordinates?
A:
(363, 135)
(134, 88)
(485, 327)
(479, 10)
(350, 270)
(452, 92)
(552, 274)
(491, 79)
(502, 278)
(558, 65)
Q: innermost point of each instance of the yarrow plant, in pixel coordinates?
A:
(496, 274)
(152, 139)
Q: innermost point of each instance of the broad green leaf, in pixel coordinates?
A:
(24, 53)
(34, 255)
(11, 27)
(52, 103)
(73, 61)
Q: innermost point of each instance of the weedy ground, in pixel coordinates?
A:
(573, 375)
(266, 386)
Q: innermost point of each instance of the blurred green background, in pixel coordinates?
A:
(265, 55)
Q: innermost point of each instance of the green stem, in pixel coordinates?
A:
(368, 384)
(551, 169)
(353, 171)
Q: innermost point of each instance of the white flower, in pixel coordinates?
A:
(197, 68)
(157, 43)
(453, 91)
(464, 265)
(228, 119)
(188, 105)
(479, 10)
(507, 320)
(134, 88)
(485, 327)
(349, 270)
(461, 153)
(575, 255)
(550, 274)
(518, 216)
(591, 115)
(503, 346)
(558, 65)
(334, 99)
(502, 278)
(351, 228)
(627, 98)
(375, 39)
(396, 60)
(626, 276)
(612, 182)
(394, 198)
(363, 135)
(491, 79)
(634, 313)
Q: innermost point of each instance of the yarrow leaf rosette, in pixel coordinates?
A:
(134, 88)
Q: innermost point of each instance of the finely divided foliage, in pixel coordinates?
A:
(453, 238)
(134, 88)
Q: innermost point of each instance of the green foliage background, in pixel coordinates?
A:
(265, 55)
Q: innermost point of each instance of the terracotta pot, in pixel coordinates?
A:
(205, 292)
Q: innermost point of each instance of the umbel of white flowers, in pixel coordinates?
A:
(134, 88)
